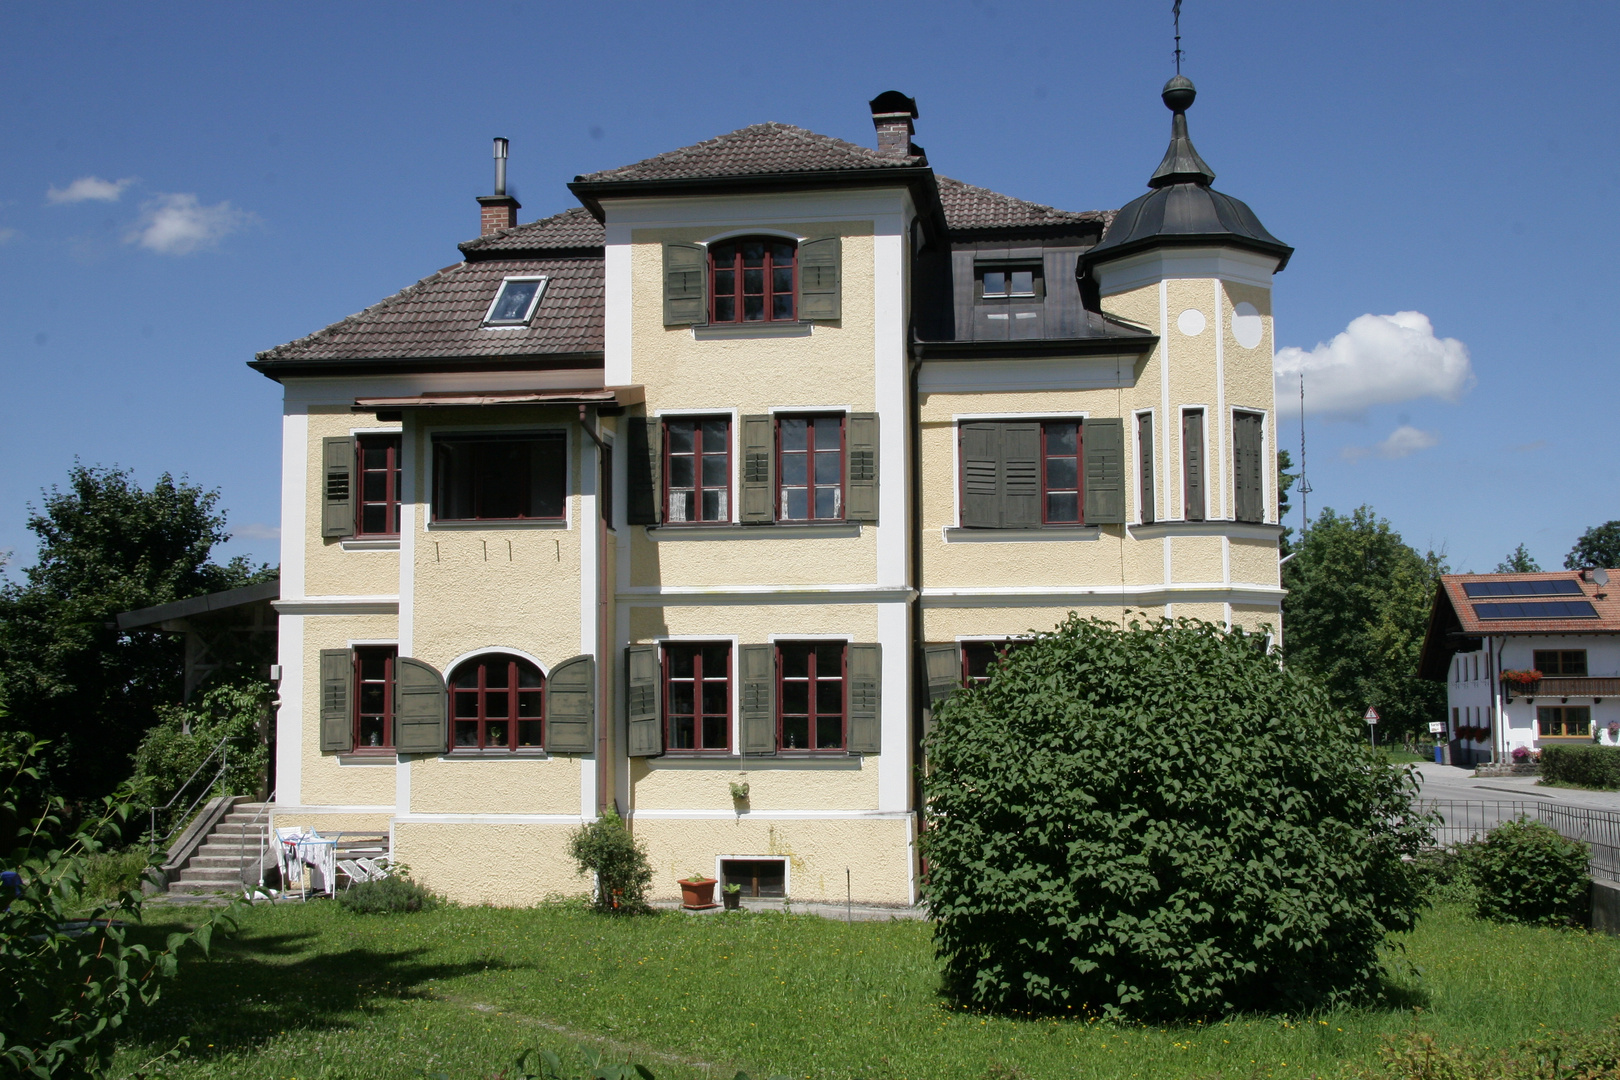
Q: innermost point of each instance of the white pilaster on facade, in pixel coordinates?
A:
(290, 628)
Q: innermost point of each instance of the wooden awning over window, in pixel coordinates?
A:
(599, 396)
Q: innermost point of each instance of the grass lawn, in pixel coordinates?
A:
(311, 991)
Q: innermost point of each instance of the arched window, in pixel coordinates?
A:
(497, 703)
(753, 279)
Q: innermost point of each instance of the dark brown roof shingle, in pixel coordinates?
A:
(751, 151)
(572, 230)
(970, 207)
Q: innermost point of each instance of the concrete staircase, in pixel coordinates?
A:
(227, 859)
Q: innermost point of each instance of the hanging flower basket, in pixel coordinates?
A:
(1521, 679)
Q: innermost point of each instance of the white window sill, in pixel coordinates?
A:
(526, 754)
(730, 331)
(381, 757)
(1238, 530)
(380, 544)
(1046, 534)
(763, 531)
(495, 524)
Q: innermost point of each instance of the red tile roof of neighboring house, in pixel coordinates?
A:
(757, 150)
(1454, 615)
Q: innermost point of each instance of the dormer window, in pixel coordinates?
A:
(1021, 282)
(514, 304)
(753, 280)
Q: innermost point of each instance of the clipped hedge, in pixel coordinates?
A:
(1160, 822)
(1587, 766)
(396, 895)
(1526, 872)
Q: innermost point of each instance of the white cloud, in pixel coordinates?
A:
(256, 530)
(1404, 441)
(179, 224)
(1377, 360)
(89, 189)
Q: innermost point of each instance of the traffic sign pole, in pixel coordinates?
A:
(1371, 717)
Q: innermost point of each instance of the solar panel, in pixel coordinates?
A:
(1544, 587)
(1537, 609)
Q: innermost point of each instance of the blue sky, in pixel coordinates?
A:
(186, 184)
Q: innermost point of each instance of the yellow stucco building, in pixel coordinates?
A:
(690, 500)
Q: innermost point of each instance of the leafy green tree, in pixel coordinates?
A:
(1598, 546)
(184, 737)
(1519, 561)
(1161, 823)
(106, 545)
(1285, 484)
(1355, 616)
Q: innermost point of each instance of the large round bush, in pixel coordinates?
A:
(1523, 871)
(1160, 822)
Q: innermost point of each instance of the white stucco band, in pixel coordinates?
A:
(1161, 264)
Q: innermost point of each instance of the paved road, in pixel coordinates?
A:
(1449, 782)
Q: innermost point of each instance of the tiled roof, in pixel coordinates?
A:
(442, 316)
(570, 230)
(970, 207)
(1607, 607)
(754, 151)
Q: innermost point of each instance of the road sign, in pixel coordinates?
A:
(1436, 727)
(1371, 715)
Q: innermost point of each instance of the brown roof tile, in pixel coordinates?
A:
(1608, 607)
(442, 316)
(570, 230)
(755, 150)
(970, 207)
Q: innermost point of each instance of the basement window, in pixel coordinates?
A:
(758, 877)
(514, 304)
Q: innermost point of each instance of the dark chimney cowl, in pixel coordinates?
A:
(498, 211)
(892, 114)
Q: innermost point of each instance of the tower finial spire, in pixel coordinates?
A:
(1175, 11)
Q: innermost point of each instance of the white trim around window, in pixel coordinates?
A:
(528, 314)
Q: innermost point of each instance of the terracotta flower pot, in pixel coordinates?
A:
(697, 895)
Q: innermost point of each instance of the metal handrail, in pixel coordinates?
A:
(223, 750)
(264, 838)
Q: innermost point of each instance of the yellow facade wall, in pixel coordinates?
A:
(671, 783)
(328, 569)
(1254, 562)
(508, 865)
(1196, 559)
(752, 623)
(754, 556)
(494, 786)
(950, 623)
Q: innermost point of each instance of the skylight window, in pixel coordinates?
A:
(515, 303)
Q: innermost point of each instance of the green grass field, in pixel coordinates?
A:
(311, 991)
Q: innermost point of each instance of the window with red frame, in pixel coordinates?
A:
(753, 280)
(499, 477)
(497, 703)
(697, 470)
(810, 468)
(374, 697)
(377, 509)
(1060, 472)
(810, 695)
(979, 658)
(697, 696)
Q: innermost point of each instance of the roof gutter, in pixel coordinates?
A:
(1102, 254)
(395, 365)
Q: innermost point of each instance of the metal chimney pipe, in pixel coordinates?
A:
(500, 166)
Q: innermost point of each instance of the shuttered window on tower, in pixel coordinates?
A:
(1248, 467)
(1023, 474)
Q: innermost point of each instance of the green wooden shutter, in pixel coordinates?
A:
(1246, 480)
(421, 704)
(757, 664)
(818, 279)
(861, 467)
(685, 268)
(758, 503)
(942, 663)
(1020, 476)
(1102, 443)
(1144, 438)
(645, 502)
(981, 475)
(337, 700)
(865, 699)
(337, 480)
(642, 701)
(571, 706)
(1192, 456)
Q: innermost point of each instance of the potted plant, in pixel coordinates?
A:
(732, 896)
(697, 892)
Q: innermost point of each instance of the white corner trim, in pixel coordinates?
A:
(295, 453)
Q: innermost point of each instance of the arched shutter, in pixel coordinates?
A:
(337, 700)
(865, 699)
(757, 664)
(1102, 445)
(818, 279)
(642, 701)
(758, 503)
(644, 469)
(571, 706)
(685, 268)
(421, 704)
(337, 481)
(861, 467)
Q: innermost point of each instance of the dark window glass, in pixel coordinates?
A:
(1561, 661)
(810, 468)
(697, 470)
(377, 509)
(1060, 472)
(753, 280)
(697, 696)
(497, 703)
(374, 697)
(1564, 721)
(1011, 282)
(980, 657)
(513, 478)
(755, 877)
(810, 695)
(511, 305)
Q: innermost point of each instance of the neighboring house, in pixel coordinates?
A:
(1490, 634)
(723, 476)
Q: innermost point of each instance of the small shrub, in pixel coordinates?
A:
(1584, 766)
(108, 873)
(1444, 874)
(389, 896)
(606, 849)
(1525, 872)
(1579, 1055)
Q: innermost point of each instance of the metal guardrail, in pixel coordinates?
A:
(1462, 821)
(222, 751)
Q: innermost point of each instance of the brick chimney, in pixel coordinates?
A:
(498, 211)
(892, 114)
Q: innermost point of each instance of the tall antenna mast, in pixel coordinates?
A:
(1176, 11)
(1304, 484)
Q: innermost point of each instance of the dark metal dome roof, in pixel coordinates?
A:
(1182, 209)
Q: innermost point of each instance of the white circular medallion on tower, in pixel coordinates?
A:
(1191, 322)
(1246, 325)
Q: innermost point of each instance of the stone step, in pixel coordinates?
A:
(248, 860)
(194, 887)
(241, 826)
(224, 874)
